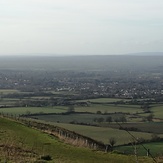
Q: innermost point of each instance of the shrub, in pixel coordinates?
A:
(46, 157)
(98, 112)
(109, 119)
(155, 137)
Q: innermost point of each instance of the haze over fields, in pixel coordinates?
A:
(134, 62)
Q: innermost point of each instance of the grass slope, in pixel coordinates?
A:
(44, 144)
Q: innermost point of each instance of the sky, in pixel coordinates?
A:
(80, 27)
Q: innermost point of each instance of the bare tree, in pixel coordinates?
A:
(112, 142)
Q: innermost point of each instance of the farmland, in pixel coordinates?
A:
(103, 100)
(84, 118)
(47, 145)
(103, 134)
(109, 108)
(99, 102)
(155, 149)
(32, 110)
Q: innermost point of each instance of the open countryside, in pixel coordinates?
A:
(108, 112)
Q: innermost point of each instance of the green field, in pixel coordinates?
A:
(8, 91)
(77, 118)
(43, 144)
(155, 149)
(33, 110)
(109, 108)
(104, 108)
(152, 127)
(103, 133)
(103, 100)
(157, 111)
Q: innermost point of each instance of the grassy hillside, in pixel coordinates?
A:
(20, 143)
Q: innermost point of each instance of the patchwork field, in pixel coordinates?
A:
(85, 119)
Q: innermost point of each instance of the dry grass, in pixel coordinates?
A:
(14, 152)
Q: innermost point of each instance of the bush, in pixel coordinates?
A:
(99, 120)
(46, 157)
(155, 137)
(109, 119)
(98, 112)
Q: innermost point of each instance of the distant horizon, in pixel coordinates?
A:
(66, 55)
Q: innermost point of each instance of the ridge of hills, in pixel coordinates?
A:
(133, 62)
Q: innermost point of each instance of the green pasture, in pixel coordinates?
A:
(43, 144)
(103, 100)
(78, 118)
(157, 111)
(8, 101)
(8, 91)
(33, 110)
(40, 97)
(109, 108)
(136, 119)
(103, 133)
(155, 149)
(64, 92)
(150, 127)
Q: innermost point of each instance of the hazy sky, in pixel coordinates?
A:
(81, 26)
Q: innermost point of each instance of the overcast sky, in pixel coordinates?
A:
(73, 27)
